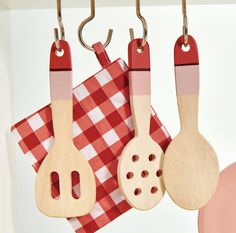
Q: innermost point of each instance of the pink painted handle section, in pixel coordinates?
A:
(187, 80)
(61, 72)
(140, 82)
(61, 85)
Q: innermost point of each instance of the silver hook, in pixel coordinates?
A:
(185, 22)
(61, 26)
(82, 25)
(144, 23)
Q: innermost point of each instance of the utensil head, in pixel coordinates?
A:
(140, 173)
(218, 215)
(65, 205)
(190, 171)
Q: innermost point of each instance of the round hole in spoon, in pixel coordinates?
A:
(144, 174)
(130, 175)
(159, 173)
(152, 157)
(154, 190)
(135, 158)
(137, 191)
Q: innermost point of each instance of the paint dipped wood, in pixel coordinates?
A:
(140, 165)
(64, 158)
(220, 213)
(191, 168)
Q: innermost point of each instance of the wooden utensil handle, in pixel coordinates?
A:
(61, 91)
(187, 82)
(140, 86)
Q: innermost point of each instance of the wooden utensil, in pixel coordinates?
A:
(64, 159)
(219, 214)
(139, 170)
(191, 167)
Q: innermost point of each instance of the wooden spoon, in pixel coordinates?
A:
(191, 168)
(139, 170)
(64, 158)
(220, 213)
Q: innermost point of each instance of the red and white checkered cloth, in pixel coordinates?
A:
(102, 127)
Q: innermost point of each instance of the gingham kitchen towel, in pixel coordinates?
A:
(102, 127)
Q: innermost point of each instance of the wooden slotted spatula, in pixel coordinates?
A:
(139, 170)
(190, 168)
(64, 159)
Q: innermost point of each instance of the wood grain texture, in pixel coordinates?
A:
(64, 158)
(191, 168)
(140, 165)
(190, 165)
(143, 146)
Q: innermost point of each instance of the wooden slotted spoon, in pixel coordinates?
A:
(64, 158)
(139, 170)
(191, 168)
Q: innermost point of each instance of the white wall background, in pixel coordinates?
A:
(5, 123)
(214, 30)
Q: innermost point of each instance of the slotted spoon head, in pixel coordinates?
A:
(139, 170)
(64, 159)
(140, 176)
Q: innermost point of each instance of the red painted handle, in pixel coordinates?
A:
(62, 63)
(186, 58)
(139, 64)
(61, 72)
(140, 86)
(186, 68)
(139, 60)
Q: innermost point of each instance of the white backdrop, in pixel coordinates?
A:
(5, 104)
(213, 28)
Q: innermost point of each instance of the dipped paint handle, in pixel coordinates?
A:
(61, 91)
(139, 65)
(61, 72)
(140, 86)
(187, 83)
(186, 67)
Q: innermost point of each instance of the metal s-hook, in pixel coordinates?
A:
(61, 26)
(185, 22)
(144, 23)
(82, 25)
